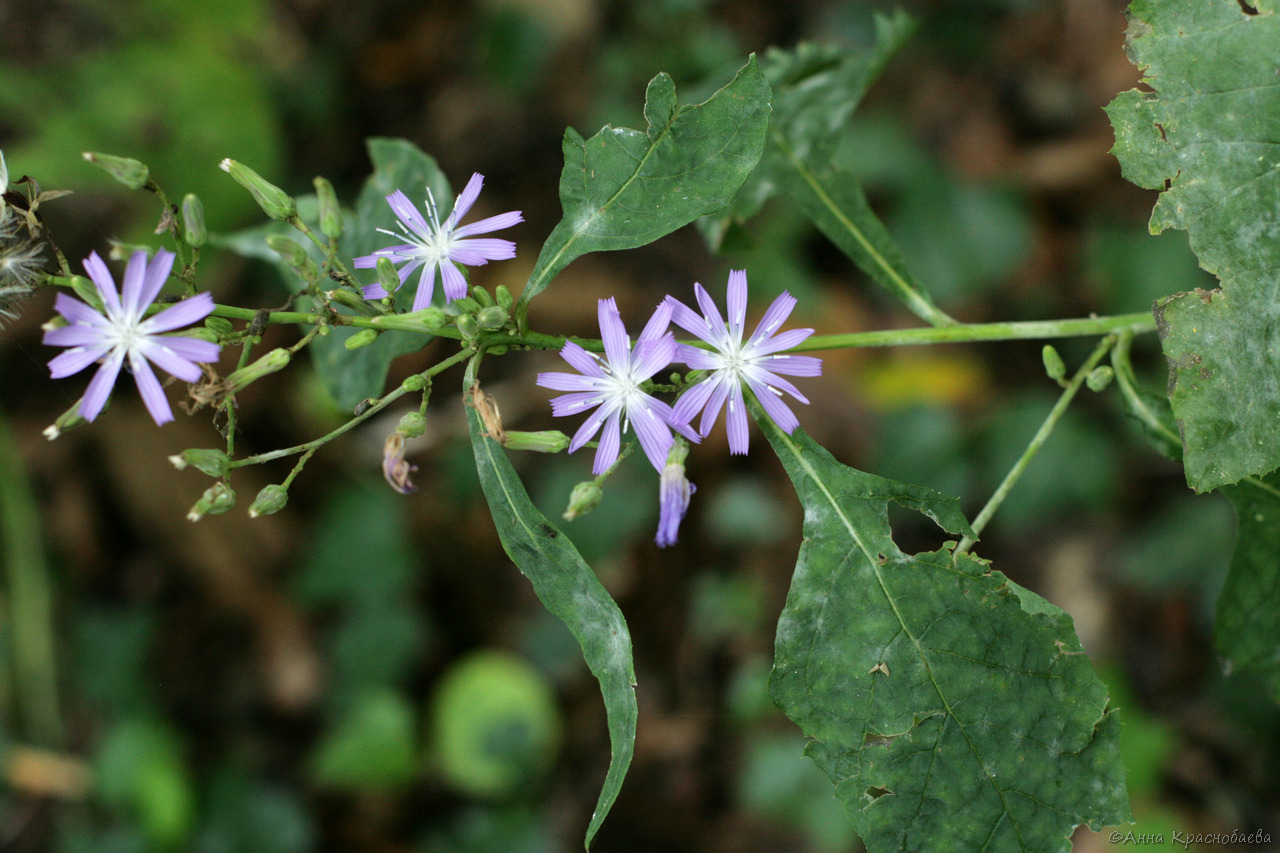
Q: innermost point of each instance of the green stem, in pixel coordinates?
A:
(1037, 442)
(316, 443)
(30, 602)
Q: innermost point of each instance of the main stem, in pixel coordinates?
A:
(1037, 442)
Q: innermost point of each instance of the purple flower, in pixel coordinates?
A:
(674, 491)
(612, 386)
(430, 244)
(121, 331)
(731, 362)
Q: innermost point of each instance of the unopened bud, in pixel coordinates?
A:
(193, 227)
(425, 320)
(542, 441)
(221, 325)
(387, 275)
(274, 201)
(126, 170)
(481, 296)
(295, 256)
(67, 420)
(415, 382)
(412, 425)
(503, 296)
(464, 305)
(467, 327)
(271, 499)
(1099, 378)
(346, 298)
(1053, 364)
(215, 463)
(362, 338)
(585, 497)
(86, 290)
(330, 212)
(491, 318)
(275, 360)
(216, 500)
(200, 333)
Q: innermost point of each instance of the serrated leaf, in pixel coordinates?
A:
(570, 590)
(623, 188)
(951, 708)
(1208, 132)
(1247, 628)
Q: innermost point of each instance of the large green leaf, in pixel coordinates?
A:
(951, 708)
(816, 89)
(623, 188)
(571, 591)
(1248, 620)
(1208, 135)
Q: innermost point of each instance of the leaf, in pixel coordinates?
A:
(816, 90)
(951, 708)
(1247, 628)
(623, 188)
(568, 588)
(1208, 133)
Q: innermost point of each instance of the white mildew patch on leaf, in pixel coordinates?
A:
(951, 708)
(1209, 135)
(624, 188)
(570, 590)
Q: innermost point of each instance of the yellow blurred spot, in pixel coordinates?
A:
(937, 378)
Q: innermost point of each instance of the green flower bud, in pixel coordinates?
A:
(270, 500)
(330, 212)
(416, 382)
(221, 325)
(126, 170)
(491, 318)
(1099, 378)
(85, 289)
(543, 441)
(481, 296)
(274, 201)
(67, 420)
(347, 298)
(200, 334)
(216, 500)
(292, 254)
(504, 297)
(215, 463)
(275, 360)
(468, 327)
(428, 320)
(463, 305)
(387, 275)
(1053, 364)
(585, 497)
(193, 227)
(412, 425)
(362, 338)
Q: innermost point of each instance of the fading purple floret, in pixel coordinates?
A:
(122, 332)
(730, 362)
(674, 491)
(432, 244)
(612, 387)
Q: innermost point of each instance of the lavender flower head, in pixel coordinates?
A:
(121, 332)
(432, 244)
(674, 491)
(612, 386)
(731, 362)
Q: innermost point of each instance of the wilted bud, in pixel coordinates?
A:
(585, 497)
(467, 327)
(270, 500)
(1053, 364)
(1099, 378)
(274, 201)
(126, 170)
(487, 408)
(543, 441)
(412, 425)
(674, 491)
(275, 360)
(394, 467)
(503, 296)
(491, 318)
(330, 212)
(215, 463)
(361, 339)
(387, 275)
(193, 227)
(216, 500)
